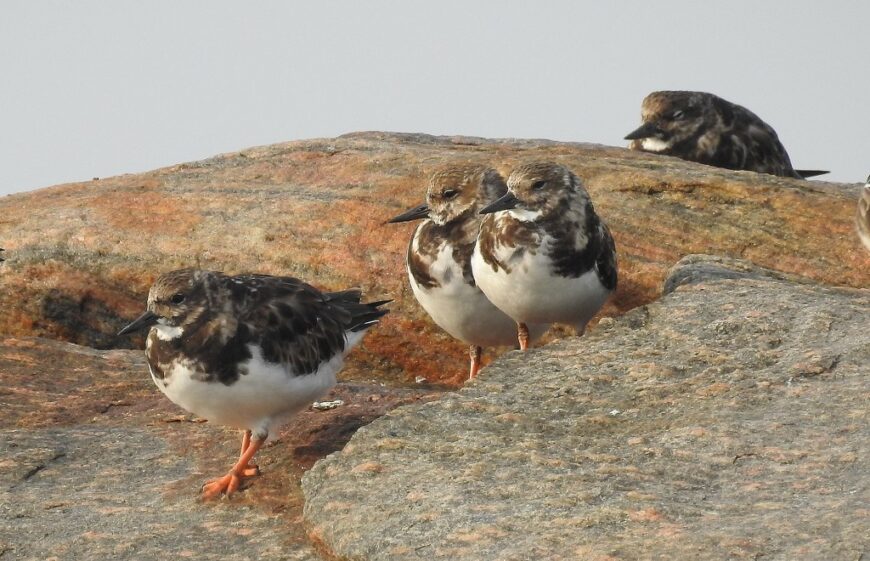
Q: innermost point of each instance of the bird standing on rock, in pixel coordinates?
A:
(439, 259)
(247, 351)
(543, 255)
(704, 128)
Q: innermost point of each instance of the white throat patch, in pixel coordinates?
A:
(525, 215)
(167, 332)
(654, 144)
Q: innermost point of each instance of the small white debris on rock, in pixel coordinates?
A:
(327, 405)
(614, 412)
(419, 380)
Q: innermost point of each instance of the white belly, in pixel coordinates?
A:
(532, 294)
(259, 401)
(464, 311)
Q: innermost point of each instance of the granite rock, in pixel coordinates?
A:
(727, 420)
(96, 464)
(80, 257)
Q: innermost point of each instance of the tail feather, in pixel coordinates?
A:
(361, 315)
(807, 173)
(378, 303)
(349, 295)
(368, 315)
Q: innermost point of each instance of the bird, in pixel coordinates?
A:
(247, 351)
(862, 217)
(704, 128)
(543, 255)
(439, 259)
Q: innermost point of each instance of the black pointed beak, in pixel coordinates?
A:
(416, 213)
(646, 130)
(147, 319)
(505, 202)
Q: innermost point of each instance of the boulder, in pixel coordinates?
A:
(715, 419)
(80, 257)
(96, 464)
(727, 420)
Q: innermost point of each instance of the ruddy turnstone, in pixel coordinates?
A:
(543, 255)
(439, 259)
(247, 351)
(701, 127)
(862, 217)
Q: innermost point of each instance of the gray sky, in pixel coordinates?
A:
(102, 88)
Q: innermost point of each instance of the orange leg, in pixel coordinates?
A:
(229, 483)
(523, 336)
(250, 469)
(474, 352)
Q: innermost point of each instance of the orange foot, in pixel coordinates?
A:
(227, 484)
(474, 353)
(249, 470)
(230, 483)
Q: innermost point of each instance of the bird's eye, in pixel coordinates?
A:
(677, 115)
(177, 298)
(450, 193)
(538, 185)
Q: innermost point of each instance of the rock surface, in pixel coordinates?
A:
(668, 443)
(80, 257)
(726, 421)
(97, 464)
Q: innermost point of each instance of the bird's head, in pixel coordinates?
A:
(537, 188)
(669, 118)
(176, 299)
(455, 192)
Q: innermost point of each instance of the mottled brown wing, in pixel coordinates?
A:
(295, 324)
(766, 153)
(759, 146)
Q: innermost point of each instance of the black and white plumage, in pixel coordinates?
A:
(543, 255)
(862, 216)
(439, 258)
(248, 351)
(704, 128)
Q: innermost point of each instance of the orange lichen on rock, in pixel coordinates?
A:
(80, 257)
